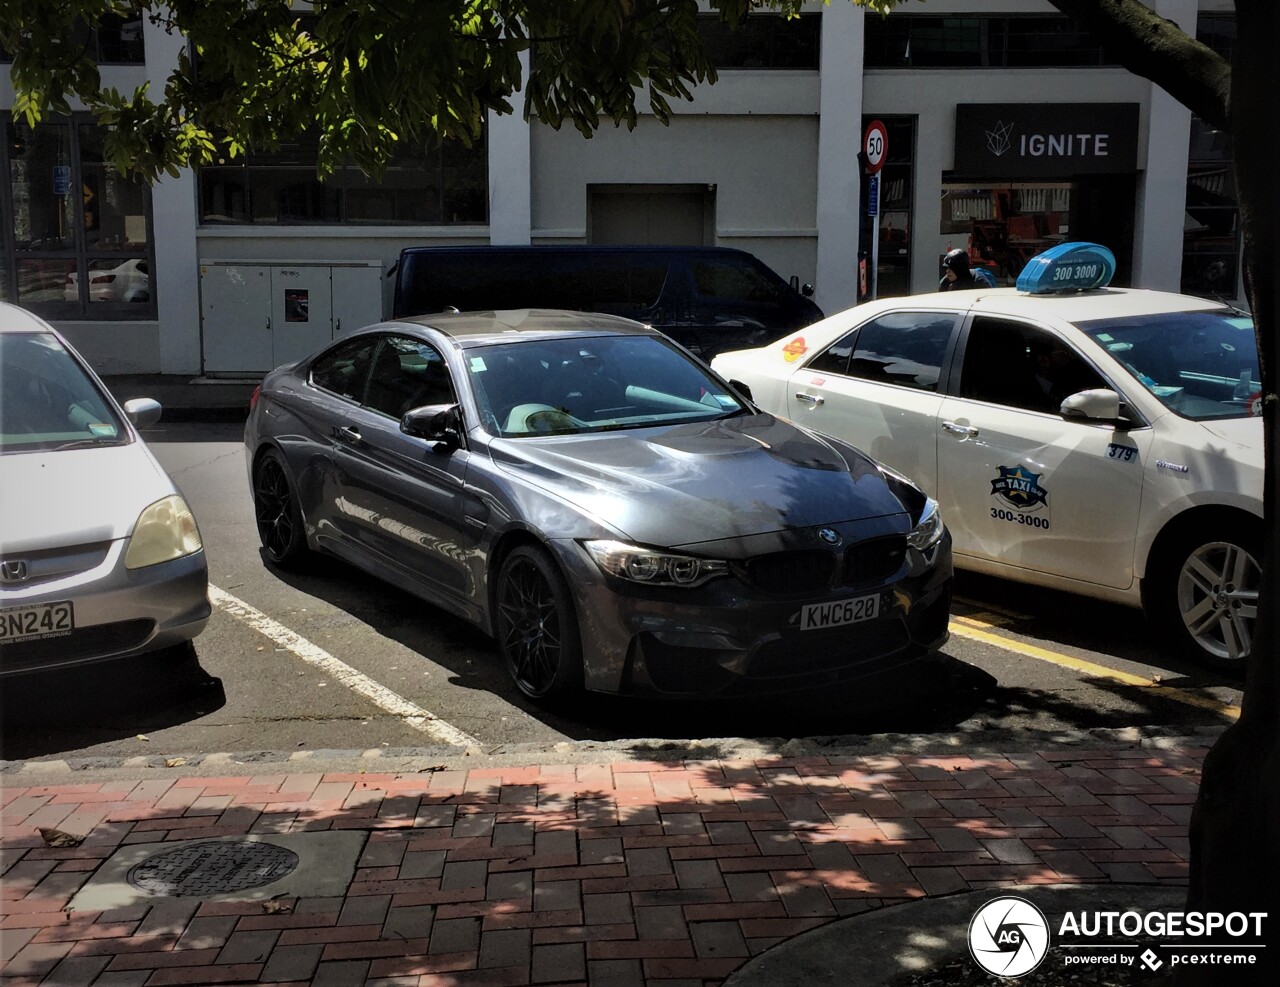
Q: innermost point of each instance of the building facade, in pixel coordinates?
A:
(1008, 129)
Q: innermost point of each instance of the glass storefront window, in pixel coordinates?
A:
(76, 235)
(1211, 227)
(115, 207)
(439, 185)
(40, 183)
(1005, 225)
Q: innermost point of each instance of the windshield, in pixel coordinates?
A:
(46, 399)
(570, 386)
(1200, 365)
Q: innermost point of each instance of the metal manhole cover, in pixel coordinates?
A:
(212, 868)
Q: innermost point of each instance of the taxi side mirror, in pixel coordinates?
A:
(1098, 404)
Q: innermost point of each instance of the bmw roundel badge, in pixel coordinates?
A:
(829, 535)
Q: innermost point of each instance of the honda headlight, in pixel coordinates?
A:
(651, 567)
(165, 531)
(929, 529)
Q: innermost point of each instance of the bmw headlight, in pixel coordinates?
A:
(651, 567)
(165, 531)
(929, 529)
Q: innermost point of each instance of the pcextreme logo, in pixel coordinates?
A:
(1008, 937)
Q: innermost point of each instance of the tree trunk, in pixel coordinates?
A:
(1235, 826)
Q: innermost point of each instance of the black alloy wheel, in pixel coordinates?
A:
(537, 628)
(278, 516)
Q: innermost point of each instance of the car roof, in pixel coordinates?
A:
(15, 319)
(470, 328)
(1079, 306)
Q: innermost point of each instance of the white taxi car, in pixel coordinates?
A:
(1104, 441)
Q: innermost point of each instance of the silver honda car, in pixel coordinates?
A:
(100, 556)
(614, 514)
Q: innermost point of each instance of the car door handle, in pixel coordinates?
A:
(957, 429)
(809, 399)
(349, 433)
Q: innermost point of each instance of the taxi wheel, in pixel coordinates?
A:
(1207, 595)
(537, 628)
(279, 518)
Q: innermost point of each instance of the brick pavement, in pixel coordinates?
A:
(613, 875)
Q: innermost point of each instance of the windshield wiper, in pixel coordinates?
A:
(85, 443)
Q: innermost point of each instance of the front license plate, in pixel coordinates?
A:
(818, 616)
(29, 623)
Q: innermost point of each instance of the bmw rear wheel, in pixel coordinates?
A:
(277, 513)
(536, 626)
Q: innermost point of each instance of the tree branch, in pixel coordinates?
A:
(1157, 49)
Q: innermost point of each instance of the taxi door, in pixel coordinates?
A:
(1019, 484)
(878, 388)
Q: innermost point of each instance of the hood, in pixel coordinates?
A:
(1244, 432)
(685, 484)
(77, 496)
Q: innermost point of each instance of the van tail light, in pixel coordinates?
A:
(253, 398)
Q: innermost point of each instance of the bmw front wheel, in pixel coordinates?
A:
(536, 626)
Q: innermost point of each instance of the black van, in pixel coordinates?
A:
(709, 299)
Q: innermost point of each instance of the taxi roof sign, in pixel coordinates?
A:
(1068, 267)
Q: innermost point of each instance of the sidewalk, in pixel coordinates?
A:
(616, 874)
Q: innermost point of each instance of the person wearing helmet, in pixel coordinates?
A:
(957, 275)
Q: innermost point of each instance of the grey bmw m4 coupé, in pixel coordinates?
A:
(617, 517)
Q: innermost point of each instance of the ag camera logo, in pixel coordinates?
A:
(1008, 937)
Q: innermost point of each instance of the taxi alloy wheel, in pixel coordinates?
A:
(1217, 599)
(537, 628)
(277, 513)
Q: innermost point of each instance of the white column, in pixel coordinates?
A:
(510, 172)
(1162, 190)
(176, 278)
(839, 140)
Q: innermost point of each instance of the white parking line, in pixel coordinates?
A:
(382, 697)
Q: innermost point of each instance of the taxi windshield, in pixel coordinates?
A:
(1201, 365)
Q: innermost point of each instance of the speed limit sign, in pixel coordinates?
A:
(875, 145)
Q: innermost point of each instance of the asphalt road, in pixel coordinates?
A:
(335, 660)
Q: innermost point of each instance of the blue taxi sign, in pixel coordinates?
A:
(1068, 267)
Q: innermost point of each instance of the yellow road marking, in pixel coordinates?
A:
(972, 629)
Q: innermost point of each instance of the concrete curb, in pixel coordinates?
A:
(426, 759)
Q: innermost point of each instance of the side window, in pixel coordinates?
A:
(835, 358)
(734, 279)
(1022, 366)
(406, 374)
(344, 369)
(903, 348)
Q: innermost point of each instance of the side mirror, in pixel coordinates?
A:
(742, 389)
(434, 422)
(807, 290)
(1099, 404)
(142, 411)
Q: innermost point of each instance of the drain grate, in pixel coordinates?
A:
(203, 869)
